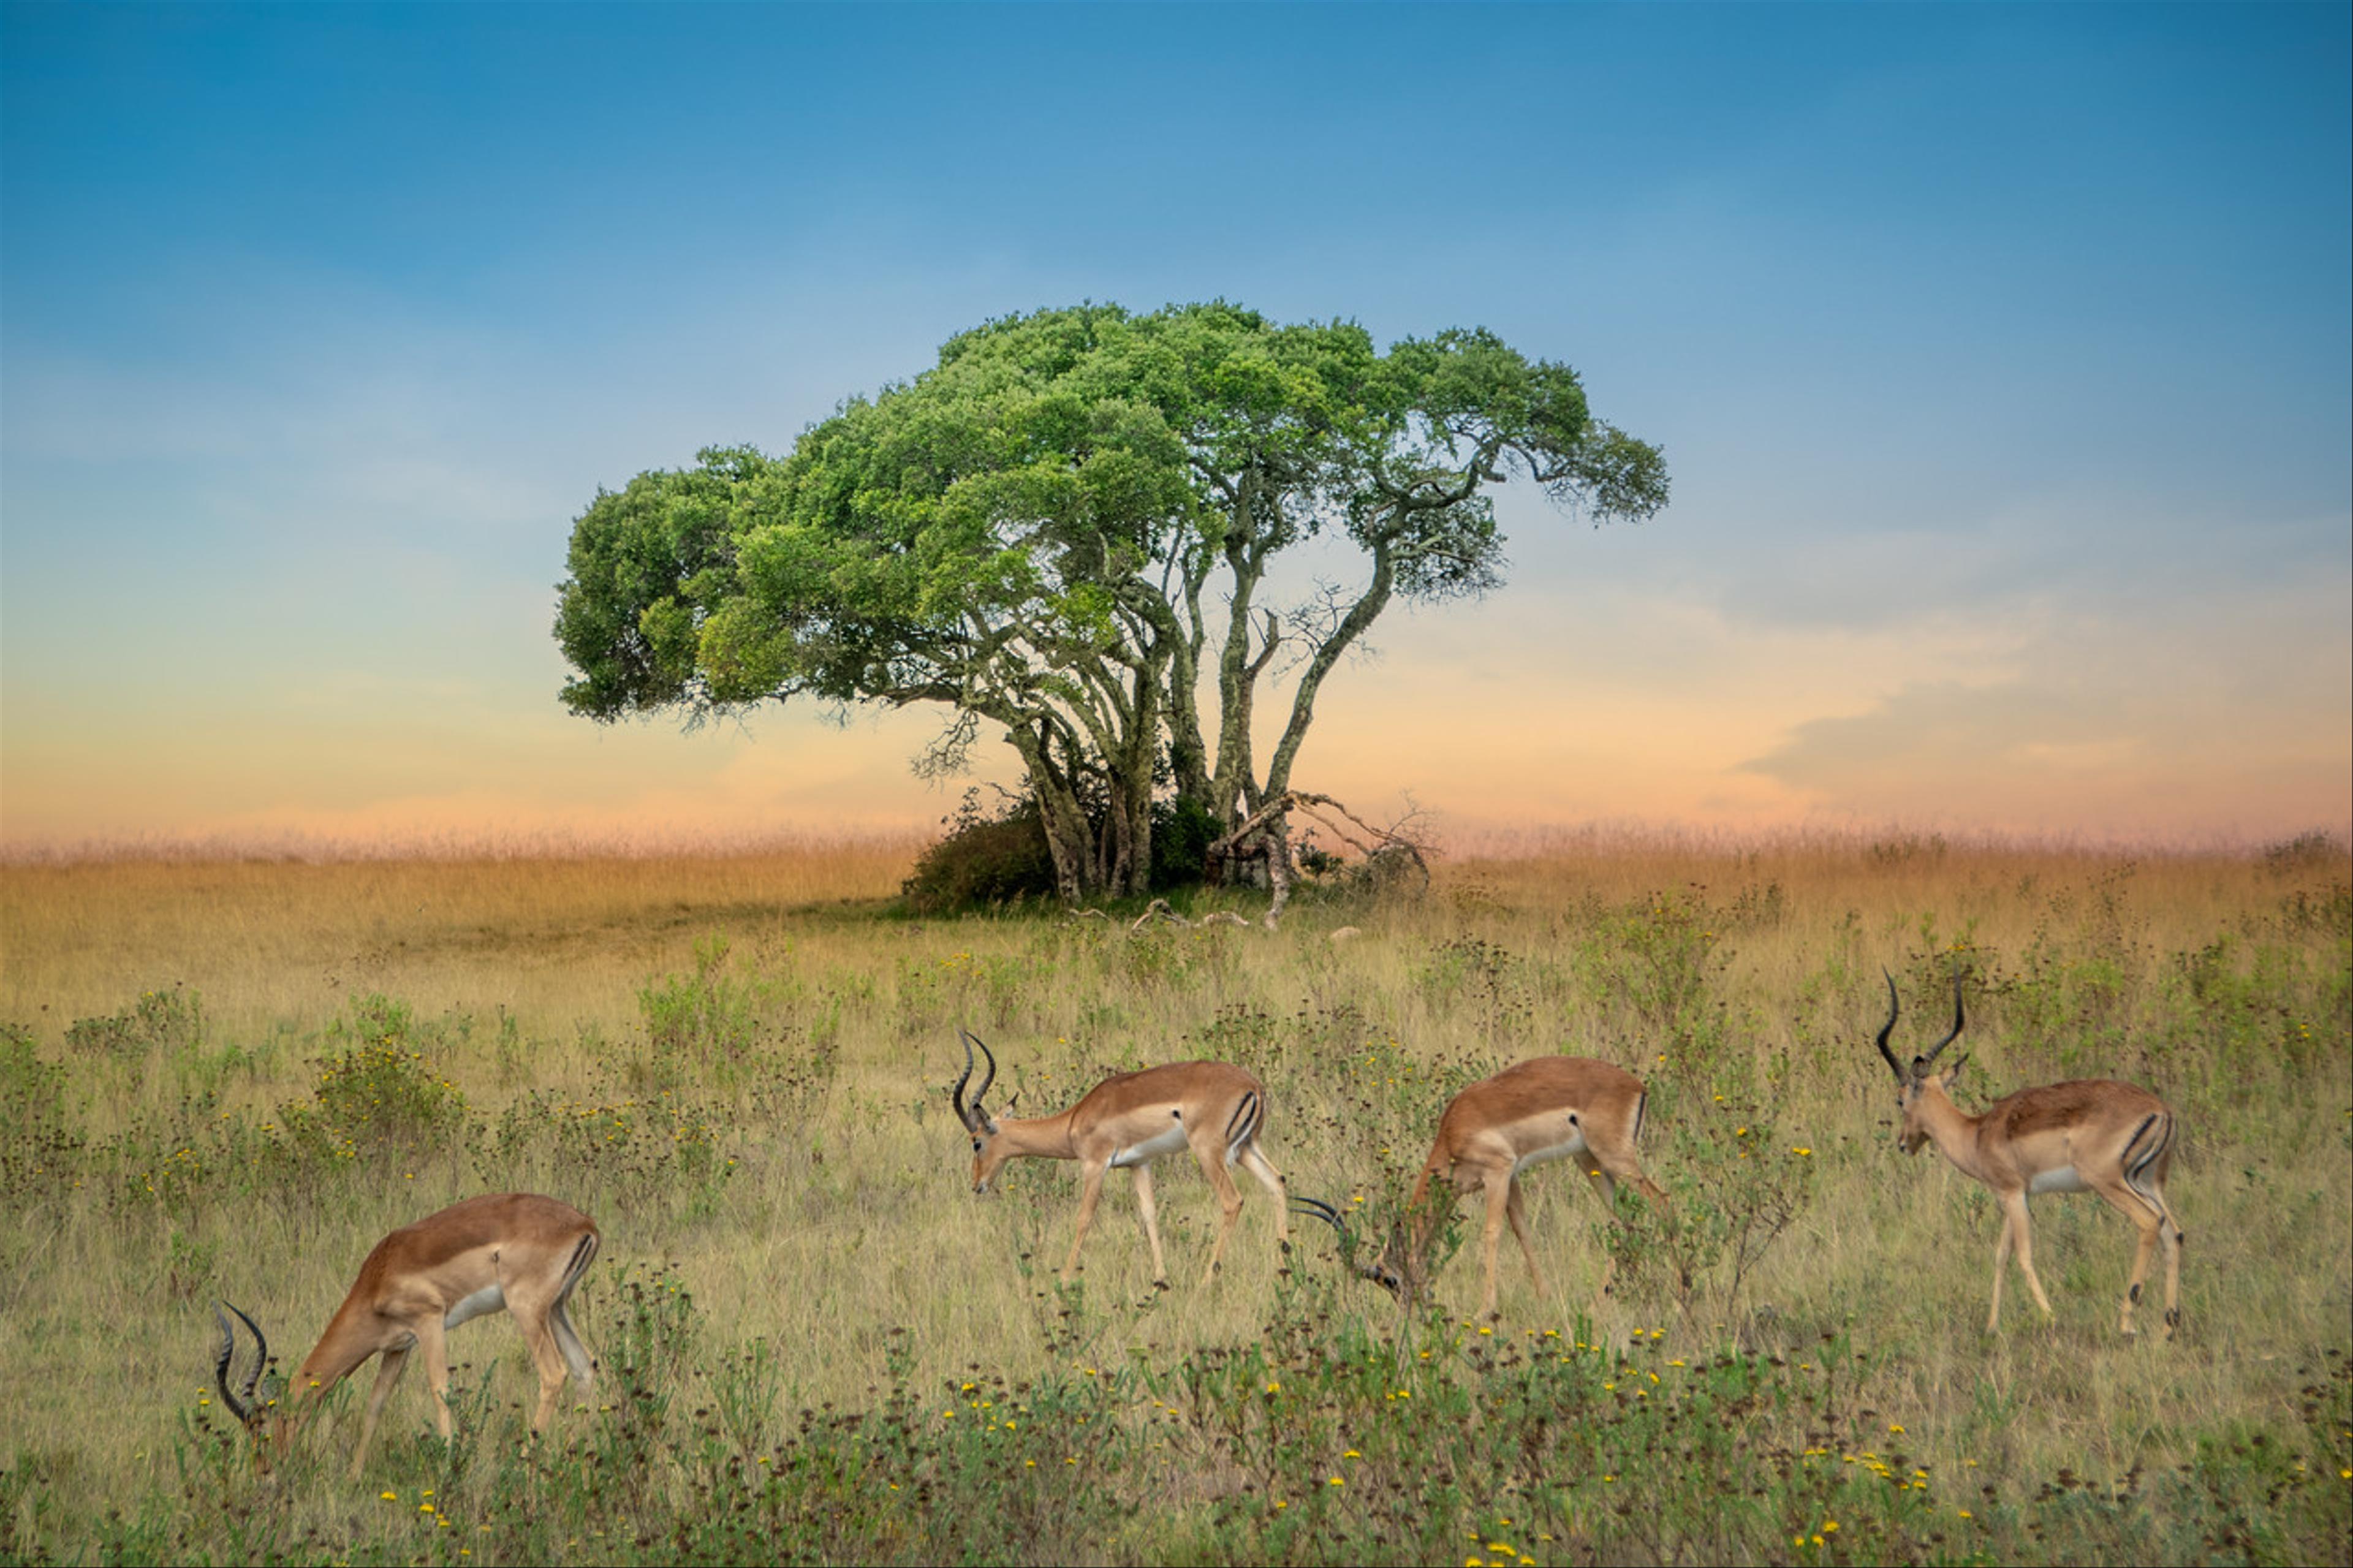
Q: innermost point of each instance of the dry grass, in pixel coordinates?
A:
(831, 1219)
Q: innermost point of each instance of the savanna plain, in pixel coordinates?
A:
(226, 1079)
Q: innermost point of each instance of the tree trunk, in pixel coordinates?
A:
(1077, 872)
(1352, 626)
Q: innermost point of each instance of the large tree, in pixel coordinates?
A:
(1064, 530)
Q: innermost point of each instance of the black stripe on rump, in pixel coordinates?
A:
(582, 1256)
(1243, 1122)
(2137, 1165)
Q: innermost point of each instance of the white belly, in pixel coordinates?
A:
(1574, 1144)
(488, 1299)
(1151, 1149)
(2065, 1179)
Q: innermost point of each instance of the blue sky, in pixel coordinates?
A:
(2000, 355)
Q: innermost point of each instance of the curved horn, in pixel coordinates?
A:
(242, 1409)
(1930, 1055)
(1385, 1279)
(955, 1095)
(969, 1111)
(1322, 1211)
(980, 1095)
(1886, 1029)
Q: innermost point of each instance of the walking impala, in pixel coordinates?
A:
(514, 1250)
(2091, 1135)
(1552, 1108)
(1130, 1119)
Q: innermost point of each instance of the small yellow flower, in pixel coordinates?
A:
(389, 1497)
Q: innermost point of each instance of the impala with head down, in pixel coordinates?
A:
(1215, 1109)
(1553, 1107)
(2090, 1135)
(513, 1250)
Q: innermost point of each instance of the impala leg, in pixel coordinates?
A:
(1498, 1204)
(2022, 1238)
(548, 1358)
(1089, 1194)
(1229, 1200)
(2173, 1235)
(2000, 1267)
(1595, 1171)
(433, 1345)
(1269, 1178)
(387, 1374)
(537, 1320)
(1615, 1157)
(1514, 1211)
(575, 1354)
(1150, 1210)
(2148, 1224)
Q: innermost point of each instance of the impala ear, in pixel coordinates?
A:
(1950, 1073)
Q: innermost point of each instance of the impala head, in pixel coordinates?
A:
(1914, 1082)
(990, 1151)
(1398, 1269)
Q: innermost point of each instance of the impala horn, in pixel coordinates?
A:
(1384, 1277)
(970, 1112)
(1887, 1028)
(244, 1410)
(1922, 1064)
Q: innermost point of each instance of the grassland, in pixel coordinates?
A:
(221, 1078)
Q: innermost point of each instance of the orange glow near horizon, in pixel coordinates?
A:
(1496, 728)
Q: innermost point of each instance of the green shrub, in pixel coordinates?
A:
(1182, 831)
(172, 1019)
(380, 1083)
(983, 861)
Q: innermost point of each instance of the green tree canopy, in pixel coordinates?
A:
(1063, 529)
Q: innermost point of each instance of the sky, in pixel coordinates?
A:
(2002, 357)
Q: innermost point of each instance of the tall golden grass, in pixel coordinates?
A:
(811, 1035)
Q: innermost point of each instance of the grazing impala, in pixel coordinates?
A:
(1215, 1109)
(1553, 1107)
(2090, 1135)
(514, 1250)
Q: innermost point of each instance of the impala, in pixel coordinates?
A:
(2089, 1136)
(1130, 1119)
(514, 1250)
(1552, 1108)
